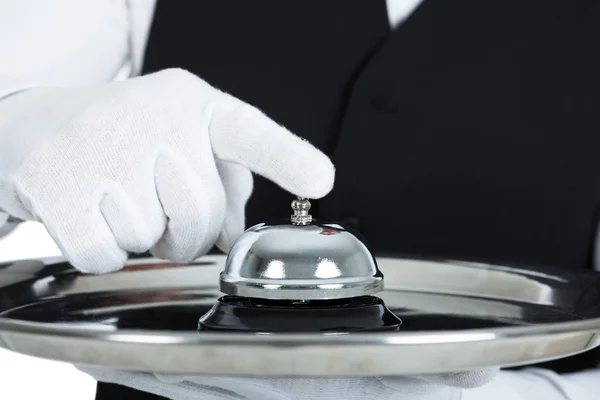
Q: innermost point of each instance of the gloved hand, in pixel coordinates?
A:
(160, 162)
(185, 387)
(489, 384)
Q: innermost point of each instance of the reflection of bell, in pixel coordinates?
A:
(318, 276)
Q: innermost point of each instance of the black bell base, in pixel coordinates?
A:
(358, 314)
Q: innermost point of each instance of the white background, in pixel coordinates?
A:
(23, 377)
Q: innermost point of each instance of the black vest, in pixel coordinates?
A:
(470, 132)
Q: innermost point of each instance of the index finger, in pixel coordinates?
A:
(244, 135)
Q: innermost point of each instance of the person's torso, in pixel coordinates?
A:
(468, 132)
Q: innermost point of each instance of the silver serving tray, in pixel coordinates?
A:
(457, 316)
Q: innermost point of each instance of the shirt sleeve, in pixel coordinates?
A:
(66, 43)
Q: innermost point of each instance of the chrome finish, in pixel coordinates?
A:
(301, 216)
(457, 316)
(300, 262)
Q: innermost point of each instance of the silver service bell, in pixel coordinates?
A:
(300, 259)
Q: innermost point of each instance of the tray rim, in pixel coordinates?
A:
(585, 331)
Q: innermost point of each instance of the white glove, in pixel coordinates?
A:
(489, 384)
(185, 387)
(160, 162)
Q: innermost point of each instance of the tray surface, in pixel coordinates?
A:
(456, 316)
